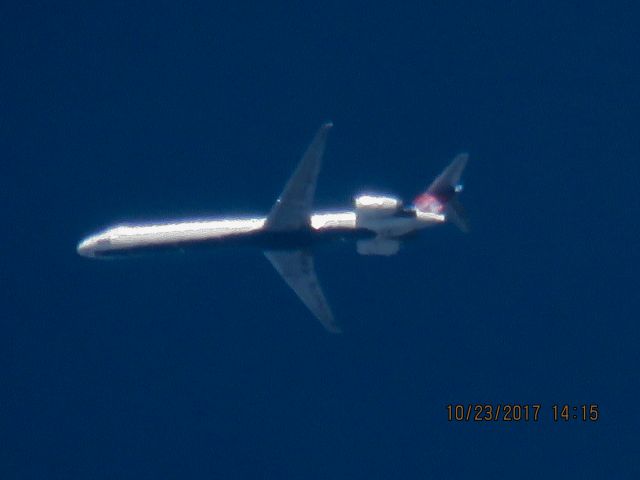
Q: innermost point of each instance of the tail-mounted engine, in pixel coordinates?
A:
(375, 213)
(376, 206)
(372, 208)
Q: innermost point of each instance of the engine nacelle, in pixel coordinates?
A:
(378, 246)
(377, 205)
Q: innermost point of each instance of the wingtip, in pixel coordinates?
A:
(335, 330)
(462, 157)
(329, 322)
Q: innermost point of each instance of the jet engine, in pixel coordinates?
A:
(372, 211)
(376, 205)
(378, 246)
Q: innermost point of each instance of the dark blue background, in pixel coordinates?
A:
(205, 365)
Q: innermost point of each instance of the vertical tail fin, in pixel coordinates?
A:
(441, 196)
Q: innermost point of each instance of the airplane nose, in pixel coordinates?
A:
(86, 247)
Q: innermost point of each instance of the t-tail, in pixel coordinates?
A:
(442, 194)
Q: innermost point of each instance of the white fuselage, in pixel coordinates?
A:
(377, 223)
(128, 238)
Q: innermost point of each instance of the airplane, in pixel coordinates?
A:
(378, 224)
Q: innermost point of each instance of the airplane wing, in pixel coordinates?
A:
(296, 267)
(292, 210)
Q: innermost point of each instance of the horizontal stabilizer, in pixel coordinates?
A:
(457, 215)
(445, 184)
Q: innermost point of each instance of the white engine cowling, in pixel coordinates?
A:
(378, 246)
(377, 205)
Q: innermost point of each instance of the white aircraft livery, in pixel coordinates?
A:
(287, 234)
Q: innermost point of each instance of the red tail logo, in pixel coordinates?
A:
(428, 202)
